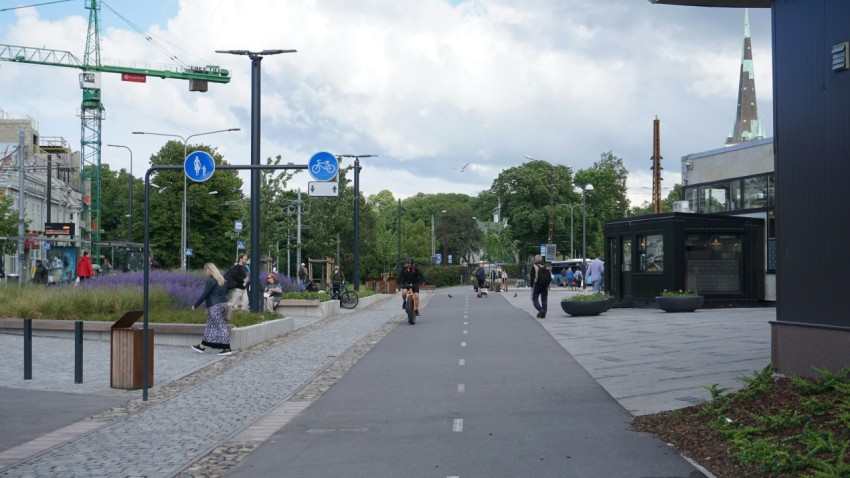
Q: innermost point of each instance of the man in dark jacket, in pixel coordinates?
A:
(237, 280)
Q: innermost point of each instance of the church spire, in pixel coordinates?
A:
(747, 126)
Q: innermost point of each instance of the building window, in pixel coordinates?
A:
(714, 263)
(755, 192)
(692, 196)
(714, 197)
(651, 253)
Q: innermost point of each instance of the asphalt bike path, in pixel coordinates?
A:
(474, 389)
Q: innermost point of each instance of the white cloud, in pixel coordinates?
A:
(427, 85)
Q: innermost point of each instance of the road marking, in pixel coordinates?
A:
(461, 388)
(466, 323)
(463, 344)
(458, 425)
(461, 362)
(465, 332)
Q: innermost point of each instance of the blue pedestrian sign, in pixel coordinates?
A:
(199, 166)
(240, 245)
(323, 166)
(188, 251)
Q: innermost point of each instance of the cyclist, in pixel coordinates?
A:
(337, 278)
(410, 277)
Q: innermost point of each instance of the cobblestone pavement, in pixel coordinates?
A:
(185, 421)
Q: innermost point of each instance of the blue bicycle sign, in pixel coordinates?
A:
(323, 166)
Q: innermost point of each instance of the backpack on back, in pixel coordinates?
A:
(544, 276)
(229, 281)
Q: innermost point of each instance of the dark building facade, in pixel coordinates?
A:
(811, 120)
(719, 257)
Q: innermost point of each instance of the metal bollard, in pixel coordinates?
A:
(27, 349)
(78, 351)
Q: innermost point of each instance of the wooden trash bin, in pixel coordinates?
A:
(125, 364)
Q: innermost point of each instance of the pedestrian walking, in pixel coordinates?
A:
(302, 276)
(85, 270)
(216, 334)
(595, 271)
(540, 278)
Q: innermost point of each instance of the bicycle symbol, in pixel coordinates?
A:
(326, 166)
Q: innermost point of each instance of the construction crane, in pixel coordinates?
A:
(91, 110)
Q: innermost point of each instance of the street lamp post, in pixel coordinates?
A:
(357, 213)
(130, 203)
(584, 189)
(183, 229)
(256, 58)
(445, 239)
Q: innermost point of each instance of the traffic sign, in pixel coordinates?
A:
(199, 166)
(240, 245)
(237, 227)
(323, 166)
(188, 251)
(323, 188)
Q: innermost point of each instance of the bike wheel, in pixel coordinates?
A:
(411, 314)
(348, 300)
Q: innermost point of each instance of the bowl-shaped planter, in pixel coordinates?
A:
(680, 303)
(585, 307)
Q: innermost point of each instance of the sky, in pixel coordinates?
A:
(446, 93)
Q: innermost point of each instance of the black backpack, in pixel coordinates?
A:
(229, 281)
(544, 276)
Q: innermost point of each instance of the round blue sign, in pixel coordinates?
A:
(323, 166)
(199, 166)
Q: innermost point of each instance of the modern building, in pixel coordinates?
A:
(737, 180)
(811, 77)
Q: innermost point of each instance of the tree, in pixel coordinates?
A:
(608, 198)
(9, 225)
(210, 222)
(529, 195)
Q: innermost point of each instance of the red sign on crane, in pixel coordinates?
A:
(134, 77)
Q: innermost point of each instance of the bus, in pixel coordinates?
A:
(559, 270)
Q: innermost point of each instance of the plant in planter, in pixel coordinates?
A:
(679, 301)
(585, 304)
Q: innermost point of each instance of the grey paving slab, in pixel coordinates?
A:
(650, 360)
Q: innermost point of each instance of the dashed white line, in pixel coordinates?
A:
(461, 362)
(465, 332)
(458, 425)
(463, 344)
(461, 388)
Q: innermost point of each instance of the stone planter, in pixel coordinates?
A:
(684, 303)
(585, 307)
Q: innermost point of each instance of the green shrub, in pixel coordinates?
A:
(445, 276)
(585, 297)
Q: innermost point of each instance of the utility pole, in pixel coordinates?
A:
(656, 166)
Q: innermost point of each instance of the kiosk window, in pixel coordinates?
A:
(651, 253)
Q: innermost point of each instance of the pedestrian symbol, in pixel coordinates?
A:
(199, 166)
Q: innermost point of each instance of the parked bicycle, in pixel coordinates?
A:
(347, 299)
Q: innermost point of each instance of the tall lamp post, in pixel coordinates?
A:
(357, 213)
(130, 203)
(256, 58)
(183, 214)
(584, 189)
